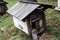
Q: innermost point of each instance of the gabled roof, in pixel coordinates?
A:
(21, 10)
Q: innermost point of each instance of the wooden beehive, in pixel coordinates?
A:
(3, 7)
(30, 17)
(20, 11)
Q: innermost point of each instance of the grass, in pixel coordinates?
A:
(9, 32)
(6, 20)
(53, 2)
(11, 2)
(53, 23)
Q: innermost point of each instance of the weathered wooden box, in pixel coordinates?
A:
(3, 7)
(21, 11)
(30, 17)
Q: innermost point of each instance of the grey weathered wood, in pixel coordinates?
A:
(21, 10)
(34, 34)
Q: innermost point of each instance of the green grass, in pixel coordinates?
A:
(53, 23)
(9, 32)
(6, 22)
(11, 2)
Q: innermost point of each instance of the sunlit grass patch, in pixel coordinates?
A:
(6, 21)
(11, 3)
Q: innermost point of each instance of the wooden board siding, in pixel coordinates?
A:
(21, 25)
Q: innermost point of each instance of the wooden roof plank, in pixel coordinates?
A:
(21, 10)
